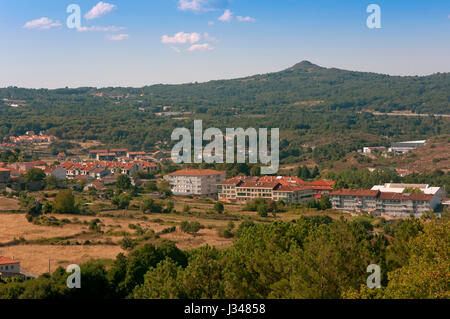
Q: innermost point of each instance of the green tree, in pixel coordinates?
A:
(123, 182)
(219, 208)
(122, 201)
(262, 210)
(34, 175)
(65, 203)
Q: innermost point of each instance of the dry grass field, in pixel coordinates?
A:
(15, 226)
(66, 244)
(8, 204)
(35, 258)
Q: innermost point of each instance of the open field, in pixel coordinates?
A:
(35, 258)
(8, 204)
(15, 226)
(74, 242)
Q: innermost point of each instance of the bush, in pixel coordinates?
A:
(190, 227)
(128, 244)
(262, 210)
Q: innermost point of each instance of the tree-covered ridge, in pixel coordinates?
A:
(308, 103)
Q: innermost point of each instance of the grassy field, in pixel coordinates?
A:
(8, 204)
(74, 242)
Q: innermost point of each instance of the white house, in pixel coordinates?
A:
(9, 267)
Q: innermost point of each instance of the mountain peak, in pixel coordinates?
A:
(305, 66)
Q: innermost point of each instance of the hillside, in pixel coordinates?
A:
(319, 111)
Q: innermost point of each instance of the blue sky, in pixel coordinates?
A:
(136, 43)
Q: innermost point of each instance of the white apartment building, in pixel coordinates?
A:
(379, 201)
(196, 182)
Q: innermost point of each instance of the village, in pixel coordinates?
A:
(108, 217)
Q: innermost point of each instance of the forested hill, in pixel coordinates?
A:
(312, 106)
(304, 83)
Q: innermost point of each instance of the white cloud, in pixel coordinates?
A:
(211, 23)
(43, 23)
(200, 47)
(245, 19)
(101, 29)
(199, 6)
(227, 16)
(181, 37)
(177, 50)
(118, 37)
(99, 10)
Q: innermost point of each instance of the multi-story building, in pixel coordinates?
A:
(389, 203)
(402, 188)
(244, 189)
(354, 199)
(196, 182)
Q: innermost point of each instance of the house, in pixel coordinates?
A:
(57, 172)
(370, 150)
(9, 268)
(119, 152)
(135, 155)
(5, 175)
(22, 167)
(197, 182)
(106, 156)
(93, 153)
(99, 173)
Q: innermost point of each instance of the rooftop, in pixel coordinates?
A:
(7, 261)
(356, 192)
(197, 172)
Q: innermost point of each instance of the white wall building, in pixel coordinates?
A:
(404, 147)
(9, 267)
(196, 182)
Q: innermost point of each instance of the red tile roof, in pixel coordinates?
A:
(258, 184)
(288, 188)
(400, 196)
(285, 180)
(197, 172)
(7, 261)
(322, 182)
